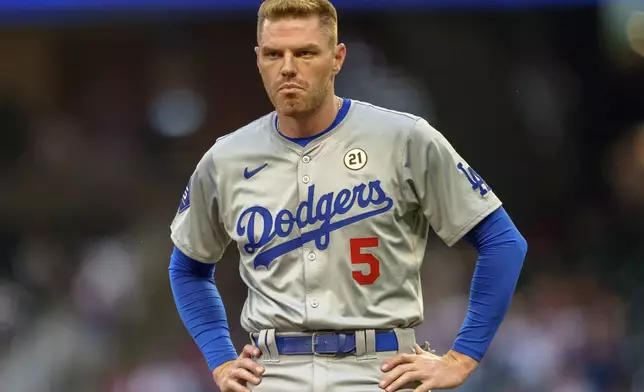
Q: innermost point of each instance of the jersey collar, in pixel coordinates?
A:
(302, 143)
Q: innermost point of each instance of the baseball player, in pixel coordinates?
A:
(329, 202)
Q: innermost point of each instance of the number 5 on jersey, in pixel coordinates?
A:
(357, 257)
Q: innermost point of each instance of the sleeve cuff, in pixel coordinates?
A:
(189, 252)
(458, 347)
(223, 359)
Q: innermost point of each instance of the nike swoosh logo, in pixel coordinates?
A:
(249, 174)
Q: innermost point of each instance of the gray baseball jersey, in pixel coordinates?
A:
(332, 235)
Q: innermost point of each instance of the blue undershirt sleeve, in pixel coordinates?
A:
(501, 252)
(201, 308)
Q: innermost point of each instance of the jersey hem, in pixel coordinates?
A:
(454, 238)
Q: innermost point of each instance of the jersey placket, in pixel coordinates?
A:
(310, 255)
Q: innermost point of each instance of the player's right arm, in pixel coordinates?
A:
(200, 239)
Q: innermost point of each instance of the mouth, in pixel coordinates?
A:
(290, 88)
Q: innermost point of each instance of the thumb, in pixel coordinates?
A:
(419, 350)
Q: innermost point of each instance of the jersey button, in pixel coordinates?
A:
(306, 159)
(314, 303)
(306, 179)
(311, 256)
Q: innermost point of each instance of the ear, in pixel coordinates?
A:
(257, 55)
(340, 56)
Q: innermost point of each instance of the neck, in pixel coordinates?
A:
(311, 123)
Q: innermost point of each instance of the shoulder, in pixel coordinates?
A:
(238, 142)
(239, 138)
(245, 140)
(394, 125)
(383, 117)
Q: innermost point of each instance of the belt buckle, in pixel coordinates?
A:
(313, 339)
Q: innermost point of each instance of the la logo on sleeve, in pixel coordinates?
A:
(478, 184)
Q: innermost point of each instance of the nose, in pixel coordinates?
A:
(288, 66)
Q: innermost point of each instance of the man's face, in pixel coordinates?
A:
(297, 63)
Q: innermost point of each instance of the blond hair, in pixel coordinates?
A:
(278, 9)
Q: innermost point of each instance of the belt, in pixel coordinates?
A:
(330, 343)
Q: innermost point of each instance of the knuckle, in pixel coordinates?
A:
(249, 364)
(402, 370)
(243, 375)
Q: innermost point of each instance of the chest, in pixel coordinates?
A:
(294, 194)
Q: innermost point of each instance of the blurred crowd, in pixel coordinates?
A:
(101, 126)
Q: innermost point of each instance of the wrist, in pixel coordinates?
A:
(219, 370)
(465, 362)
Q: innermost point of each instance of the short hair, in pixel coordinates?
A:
(278, 9)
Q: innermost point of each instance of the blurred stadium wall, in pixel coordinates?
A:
(105, 108)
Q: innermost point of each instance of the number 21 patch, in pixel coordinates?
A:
(475, 180)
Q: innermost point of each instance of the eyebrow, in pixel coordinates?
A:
(304, 47)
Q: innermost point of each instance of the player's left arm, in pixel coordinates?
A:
(501, 251)
(459, 204)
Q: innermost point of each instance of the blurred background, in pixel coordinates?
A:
(107, 106)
